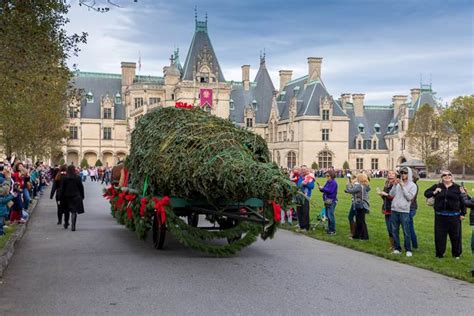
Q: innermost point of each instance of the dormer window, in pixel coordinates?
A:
(396, 127)
(249, 122)
(390, 128)
(89, 97)
(360, 127)
(377, 128)
(254, 105)
(118, 99)
(231, 105)
(296, 90)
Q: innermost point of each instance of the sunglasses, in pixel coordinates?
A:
(446, 175)
(403, 172)
(327, 176)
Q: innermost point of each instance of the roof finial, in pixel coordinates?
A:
(195, 13)
(262, 57)
(206, 17)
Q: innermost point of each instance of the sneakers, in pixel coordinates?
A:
(331, 233)
(409, 254)
(457, 258)
(396, 252)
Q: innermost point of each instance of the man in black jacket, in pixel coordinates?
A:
(469, 202)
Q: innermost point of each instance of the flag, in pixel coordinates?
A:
(205, 97)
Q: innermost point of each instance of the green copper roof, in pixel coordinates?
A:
(85, 74)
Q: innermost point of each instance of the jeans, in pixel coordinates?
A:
(403, 219)
(352, 213)
(414, 240)
(26, 198)
(330, 209)
(2, 222)
(388, 223)
(288, 214)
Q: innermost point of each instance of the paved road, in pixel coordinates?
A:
(103, 269)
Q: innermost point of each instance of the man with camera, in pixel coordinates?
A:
(403, 192)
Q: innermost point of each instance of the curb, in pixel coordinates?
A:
(7, 252)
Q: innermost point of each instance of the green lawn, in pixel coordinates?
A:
(8, 232)
(423, 257)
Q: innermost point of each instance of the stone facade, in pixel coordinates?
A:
(301, 122)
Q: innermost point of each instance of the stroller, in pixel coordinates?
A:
(321, 220)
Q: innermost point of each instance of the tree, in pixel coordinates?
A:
(314, 165)
(345, 165)
(434, 162)
(426, 131)
(84, 163)
(98, 163)
(460, 118)
(35, 78)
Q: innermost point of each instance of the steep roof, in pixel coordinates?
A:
(261, 90)
(100, 85)
(308, 96)
(372, 116)
(200, 42)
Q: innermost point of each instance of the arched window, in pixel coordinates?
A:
(361, 127)
(325, 159)
(231, 106)
(291, 160)
(89, 97)
(377, 128)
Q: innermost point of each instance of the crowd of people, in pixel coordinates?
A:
(20, 182)
(399, 205)
(97, 174)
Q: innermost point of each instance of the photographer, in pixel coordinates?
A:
(403, 192)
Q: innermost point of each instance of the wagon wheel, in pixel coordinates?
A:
(159, 232)
(193, 219)
(230, 223)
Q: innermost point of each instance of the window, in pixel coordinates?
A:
(172, 96)
(325, 159)
(403, 126)
(374, 163)
(285, 136)
(291, 160)
(434, 144)
(278, 158)
(359, 144)
(72, 132)
(374, 144)
(231, 105)
(402, 145)
(249, 122)
(367, 144)
(325, 134)
(280, 135)
(89, 97)
(255, 105)
(325, 115)
(360, 127)
(138, 102)
(108, 133)
(73, 111)
(377, 128)
(359, 163)
(396, 128)
(118, 99)
(154, 100)
(107, 113)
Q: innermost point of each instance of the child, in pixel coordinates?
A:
(5, 197)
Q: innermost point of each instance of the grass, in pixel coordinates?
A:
(423, 257)
(8, 232)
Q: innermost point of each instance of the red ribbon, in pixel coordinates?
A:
(276, 211)
(110, 193)
(121, 199)
(160, 207)
(130, 197)
(143, 203)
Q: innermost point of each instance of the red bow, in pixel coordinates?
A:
(129, 212)
(121, 199)
(130, 197)
(276, 212)
(160, 207)
(109, 193)
(143, 202)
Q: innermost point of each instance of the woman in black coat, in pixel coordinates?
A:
(60, 173)
(72, 195)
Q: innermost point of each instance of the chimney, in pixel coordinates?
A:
(285, 76)
(345, 98)
(314, 68)
(358, 102)
(128, 73)
(415, 93)
(246, 76)
(398, 100)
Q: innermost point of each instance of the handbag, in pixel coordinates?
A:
(328, 201)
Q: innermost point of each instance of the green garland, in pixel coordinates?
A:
(192, 237)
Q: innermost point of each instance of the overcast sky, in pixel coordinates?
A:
(376, 47)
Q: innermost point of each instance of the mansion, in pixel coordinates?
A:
(301, 121)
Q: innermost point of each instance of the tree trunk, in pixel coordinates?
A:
(464, 170)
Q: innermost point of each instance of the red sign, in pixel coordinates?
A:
(206, 97)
